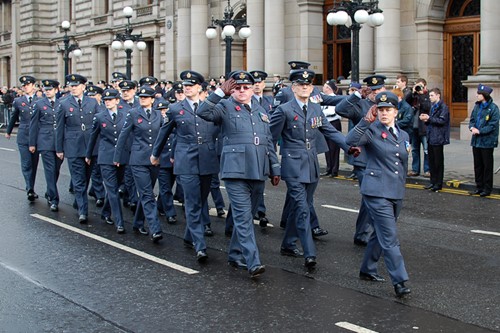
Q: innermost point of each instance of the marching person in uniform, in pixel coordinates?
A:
(22, 111)
(74, 123)
(299, 123)
(484, 127)
(248, 159)
(42, 139)
(383, 187)
(195, 159)
(143, 124)
(106, 128)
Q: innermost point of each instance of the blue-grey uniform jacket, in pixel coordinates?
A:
(298, 148)
(22, 111)
(43, 125)
(248, 150)
(73, 126)
(143, 131)
(265, 101)
(105, 133)
(195, 150)
(387, 159)
(485, 119)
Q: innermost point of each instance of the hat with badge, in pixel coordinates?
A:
(482, 89)
(204, 86)
(386, 99)
(25, 79)
(178, 88)
(259, 76)
(375, 81)
(146, 91)
(242, 77)
(110, 94)
(50, 84)
(302, 76)
(148, 80)
(75, 79)
(190, 78)
(332, 85)
(355, 85)
(117, 76)
(162, 105)
(298, 65)
(127, 85)
(94, 90)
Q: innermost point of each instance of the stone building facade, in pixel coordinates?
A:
(450, 43)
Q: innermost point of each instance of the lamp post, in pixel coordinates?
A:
(229, 26)
(68, 48)
(353, 14)
(128, 40)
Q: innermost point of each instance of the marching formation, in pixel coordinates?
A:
(119, 140)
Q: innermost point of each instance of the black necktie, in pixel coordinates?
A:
(80, 104)
(29, 100)
(113, 115)
(260, 100)
(195, 105)
(249, 109)
(52, 104)
(148, 113)
(304, 109)
(131, 104)
(391, 130)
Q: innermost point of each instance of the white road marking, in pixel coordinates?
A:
(486, 232)
(341, 208)
(7, 149)
(118, 245)
(353, 328)
(21, 274)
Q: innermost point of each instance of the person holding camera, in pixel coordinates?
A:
(421, 105)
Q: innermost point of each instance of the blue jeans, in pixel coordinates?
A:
(416, 141)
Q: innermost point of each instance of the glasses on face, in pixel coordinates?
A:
(242, 88)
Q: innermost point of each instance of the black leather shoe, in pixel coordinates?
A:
(436, 188)
(36, 196)
(318, 232)
(31, 195)
(237, 264)
(484, 194)
(120, 229)
(188, 244)
(133, 207)
(99, 202)
(263, 221)
(161, 213)
(428, 187)
(108, 220)
(54, 208)
(141, 230)
(360, 242)
(221, 212)
(257, 271)
(475, 192)
(121, 193)
(201, 256)
(82, 219)
(335, 174)
(291, 252)
(171, 220)
(352, 176)
(208, 231)
(310, 262)
(282, 224)
(371, 277)
(325, 174)
(401, 290)
(156, 237)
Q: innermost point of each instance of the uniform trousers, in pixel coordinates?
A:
(196, 190)
(216, 193)
(112, 177)
(285, 214)
(97, 185)
(51, 167)
(145, 178)
(130, 195)
(364, 227)
(483, 168)
(298, 224)
(80, 176)
(29, 164)
(244, 195)
(436, 164)
(166, 179)
(384, 240)
(332, 156)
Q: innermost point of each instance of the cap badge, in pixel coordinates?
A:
(242, 75)
(125, 84)
(46, 83)
(147, 79)
(161, 104)
(374, 80)
(188, 75)
(73, 77)
(23, 79)
(115, 75)
(256, 74)
(383, 98)
(107, 93)
(143, 91)
(305, 75)
(91, 89)
(293, 65)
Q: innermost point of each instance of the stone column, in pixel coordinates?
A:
(311, 33)
(111, 62)
(199, 41)
(274, 18)
(388, 59)
(366, 51)
(94, 74)
(255, 44)
(184, 35)
(170, 45)
(157, 58)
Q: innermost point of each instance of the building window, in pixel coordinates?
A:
(460, 8)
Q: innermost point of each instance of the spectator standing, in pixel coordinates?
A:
(420, 104)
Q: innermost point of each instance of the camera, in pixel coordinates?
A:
(418, 88)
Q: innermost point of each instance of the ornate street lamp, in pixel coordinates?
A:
(353, 14)
(229, 26)
(69, 49)
(128, 40)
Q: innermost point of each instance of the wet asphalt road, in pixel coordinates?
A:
(54, 279)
